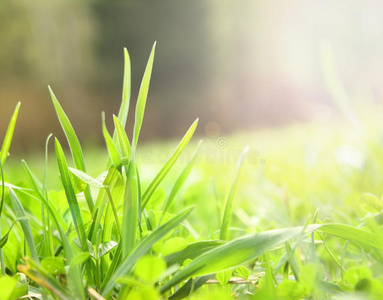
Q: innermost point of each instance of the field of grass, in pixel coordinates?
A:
(295, 215)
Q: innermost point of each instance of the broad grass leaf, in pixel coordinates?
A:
(149, 268)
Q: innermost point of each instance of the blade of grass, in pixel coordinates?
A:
(141, 101)
(20, 213)
(232, 254)
(74, 144)
(130, 210)
(180, 182)
(75, 280)
(70, 195)
(114, 155)
(168, 165)
(126, 90)
(123, 141)
(1, 210)
(224, 234)
(9, 135)
(143, 247)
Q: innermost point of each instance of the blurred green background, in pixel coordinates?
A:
(237, 65)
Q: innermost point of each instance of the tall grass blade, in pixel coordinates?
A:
(126, 91)
(20, 213)
(130, 213)
(233, 254)
(123, 140)
(230, 198)
(168, 165)
(111, 146)
(143, 247)
(180, 182)
(142, 96)
(75, 279)
(74, 144)
(70, 195)
(9, 135)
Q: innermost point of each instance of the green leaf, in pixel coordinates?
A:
(53, 265)
(142, 248)
(190, 286)
(233, 254)
(242, 272)
(165, 169)
(126, 90)
(149, 268)
(9, 134)
(79, 259)
(86, 178)
(74, 144)
(192, 251)
(180, 181)
(123, 141)
(354, 275)
(7, 285)
(105, 248)
(142, 96)
(114, 155)
(224, 277)
(174, 245)
(70, 195)
(230, 198)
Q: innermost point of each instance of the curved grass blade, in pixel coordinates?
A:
(126, 90)
(114, 155)
(70, 195)
(86, 178)
(358, 236)
(233, 254)
(192, 251)
(142, 96)
(20, 213)
(9, 135)
(230, 198)
(123, 140)
(165, 169)
(4, 239)
(1, 210)
(142, 248)
(180, 182)
(74, 144)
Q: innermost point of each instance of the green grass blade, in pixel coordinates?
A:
(74, 144)
(130, 214)
(114, 155)
(20, 213)
(142, 96)
(192, 251)
(180, 182)
(233, 254)
(126, 90)
(86, 178)
(143, 248)
(75, 279)
(4, 239)
(9, 135)
(70, 195)
(230, 198)
(123, 140)
(168, 165)
(358, 236)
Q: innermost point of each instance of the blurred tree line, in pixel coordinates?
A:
(238, 63)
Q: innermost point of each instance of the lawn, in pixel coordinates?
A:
(295, 215)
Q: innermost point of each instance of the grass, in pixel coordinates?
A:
(302, 221)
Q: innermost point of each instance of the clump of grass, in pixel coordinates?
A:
(101, 238)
